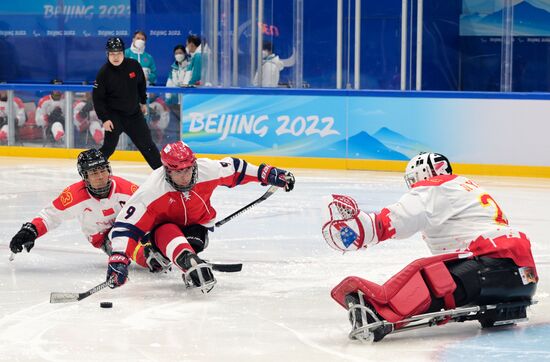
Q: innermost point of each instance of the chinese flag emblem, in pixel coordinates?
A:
(132, 75)
(108, 212)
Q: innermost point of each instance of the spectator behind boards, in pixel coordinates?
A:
(137, 51)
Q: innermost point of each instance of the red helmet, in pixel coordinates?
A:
(177, 156)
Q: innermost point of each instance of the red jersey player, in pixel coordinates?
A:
(479, 259)
(172, 209)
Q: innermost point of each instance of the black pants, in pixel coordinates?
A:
(484, 280)
(136, 128)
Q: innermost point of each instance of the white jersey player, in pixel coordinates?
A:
(173, 210)
(462, 225)
(95, 201)
(50, 115)
(19, 111)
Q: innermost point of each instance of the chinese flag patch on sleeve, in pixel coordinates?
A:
(132, 74)
(108, 212)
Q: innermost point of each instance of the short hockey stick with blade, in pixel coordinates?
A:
(267, 194)
(56, 297)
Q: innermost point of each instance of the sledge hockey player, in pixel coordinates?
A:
(50, 114)
(172, 210)
(482, 270)
(95, 201)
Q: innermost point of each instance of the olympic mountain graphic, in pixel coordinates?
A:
(385, 144)
(531, 18)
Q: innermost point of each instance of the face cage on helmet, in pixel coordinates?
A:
(179, 187)
(102, 191)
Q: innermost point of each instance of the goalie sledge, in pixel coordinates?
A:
(482, 269)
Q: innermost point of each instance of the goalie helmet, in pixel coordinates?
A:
(175, 157)
(91, 160)
(426, 165)
(114, 45)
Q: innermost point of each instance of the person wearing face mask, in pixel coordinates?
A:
(271, 68)
(19, 112)
(176, 77)
(119, 100)
(137, 51)
(50, 114)
(194, 69)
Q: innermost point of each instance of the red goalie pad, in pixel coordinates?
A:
(408, 292)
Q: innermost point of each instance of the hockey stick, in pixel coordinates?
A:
(267, 194)
(56, 297)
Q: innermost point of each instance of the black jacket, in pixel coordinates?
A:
(119, 89)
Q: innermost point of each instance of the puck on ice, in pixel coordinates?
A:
(106, 305)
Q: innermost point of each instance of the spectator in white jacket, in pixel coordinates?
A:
(271, 67)
(178, 69)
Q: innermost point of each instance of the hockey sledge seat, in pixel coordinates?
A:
(408, 292)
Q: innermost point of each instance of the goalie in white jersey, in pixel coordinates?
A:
(479, 259)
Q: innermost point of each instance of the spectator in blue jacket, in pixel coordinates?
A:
(194, 69)
(137, 51)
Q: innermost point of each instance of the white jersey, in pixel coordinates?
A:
(46, 105)
(96, 216)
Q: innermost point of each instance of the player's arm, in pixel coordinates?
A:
(350, 228)
(236, 171)
(48, 218)
(131, 225)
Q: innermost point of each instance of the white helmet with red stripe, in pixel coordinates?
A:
(349, 228)
(426, 165)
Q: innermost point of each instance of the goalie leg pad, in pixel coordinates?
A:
(407, 293)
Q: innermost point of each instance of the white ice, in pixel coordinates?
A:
(277, 309)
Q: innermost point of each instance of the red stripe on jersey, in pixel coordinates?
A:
(40, 226)
(108, 212)
(124, 186)
(97, 239)
(72, 195)
(383, 226)
(435, 181)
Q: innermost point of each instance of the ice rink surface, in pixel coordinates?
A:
(277, 309)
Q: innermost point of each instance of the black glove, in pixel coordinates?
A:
(269, 175)
(117, 271)
(24, 238)
(3, 120)
(85, 111)
(56, 116)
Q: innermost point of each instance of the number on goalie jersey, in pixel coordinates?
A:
(172, 208)
(456, 217)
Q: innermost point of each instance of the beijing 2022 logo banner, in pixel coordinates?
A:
(308, 126)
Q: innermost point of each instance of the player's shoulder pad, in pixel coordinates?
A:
(435, 181)
(124, 186)
(72, 195)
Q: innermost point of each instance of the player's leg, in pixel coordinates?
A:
(110, 140)
(140, 134)
(174, 244)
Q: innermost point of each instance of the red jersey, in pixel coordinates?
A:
(157, 202)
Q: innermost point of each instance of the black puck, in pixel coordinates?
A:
(106, 305)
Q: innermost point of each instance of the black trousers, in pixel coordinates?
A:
(136, 128)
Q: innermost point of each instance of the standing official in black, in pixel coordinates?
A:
(120, 102)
